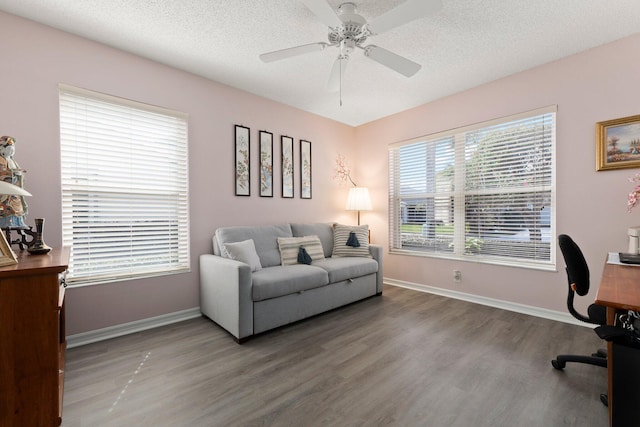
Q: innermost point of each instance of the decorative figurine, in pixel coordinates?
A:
(14, 208)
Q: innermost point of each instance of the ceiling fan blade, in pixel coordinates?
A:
(389, 59)
(337, 74)
(277, 55)
(323, 11)
(406, 12)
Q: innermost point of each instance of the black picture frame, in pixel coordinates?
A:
(305, 169)
(287, 167)
(242, 160)
(266, 163)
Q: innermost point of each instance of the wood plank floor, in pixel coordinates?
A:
(404, 359)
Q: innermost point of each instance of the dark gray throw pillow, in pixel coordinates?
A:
(303, 256)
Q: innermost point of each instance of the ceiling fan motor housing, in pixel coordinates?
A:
(351, 33)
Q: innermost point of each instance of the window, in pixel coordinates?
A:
(484, 192)
(124, 188)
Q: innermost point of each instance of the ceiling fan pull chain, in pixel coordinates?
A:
(341, 82)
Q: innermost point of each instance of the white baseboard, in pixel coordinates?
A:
(504, 305)
(192, 313)
(131, 327)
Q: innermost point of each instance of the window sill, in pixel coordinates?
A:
(543, 266)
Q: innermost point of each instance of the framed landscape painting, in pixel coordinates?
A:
(286, 150)
(305, 169)
(266, 164)
(618, 143)
(243, 172)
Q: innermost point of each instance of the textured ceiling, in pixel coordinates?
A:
(466, 43)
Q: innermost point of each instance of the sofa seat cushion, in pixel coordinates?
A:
(273, 282)
(343, 268)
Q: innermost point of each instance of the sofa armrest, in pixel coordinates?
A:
(376, 253)
(225, 294)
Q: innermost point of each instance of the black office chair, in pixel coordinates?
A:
(578, 278)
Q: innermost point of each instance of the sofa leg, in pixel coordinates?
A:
(379, 293)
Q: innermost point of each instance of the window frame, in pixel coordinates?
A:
(146, 215)
(458, 196)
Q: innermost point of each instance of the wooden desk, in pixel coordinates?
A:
(619, 291)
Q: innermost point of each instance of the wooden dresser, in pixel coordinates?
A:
(32, 339)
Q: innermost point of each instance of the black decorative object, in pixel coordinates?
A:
(22, 241)
(353, 240)
(303, 256)
(38, 246)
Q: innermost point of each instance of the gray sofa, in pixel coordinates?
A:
(246, 302)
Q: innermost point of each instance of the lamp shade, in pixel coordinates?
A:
(359, 199)
(12, 190)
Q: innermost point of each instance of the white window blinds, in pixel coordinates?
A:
(484, 192)
(124, 187)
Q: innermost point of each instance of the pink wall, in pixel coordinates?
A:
(37, 58)
(596, 85)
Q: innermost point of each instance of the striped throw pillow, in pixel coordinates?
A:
(341, 236)
(289, 247)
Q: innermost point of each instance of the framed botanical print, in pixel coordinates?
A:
(266, 164)
(618, 143)
(242, 158)
(286, 150)
(305, 169)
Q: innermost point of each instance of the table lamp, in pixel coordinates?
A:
(7, 189)
(359, 200)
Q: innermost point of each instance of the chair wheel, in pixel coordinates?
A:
(558, 364)
(604, 399)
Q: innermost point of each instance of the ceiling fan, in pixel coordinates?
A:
(348, 30)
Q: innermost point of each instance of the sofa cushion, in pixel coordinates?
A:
(244, 251)
(264, 237)
(277, 281)
(343, 268)
(290, 246)
(324, 231)
(341, 236)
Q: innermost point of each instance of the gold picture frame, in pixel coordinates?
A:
(618, 143)
(7, 256)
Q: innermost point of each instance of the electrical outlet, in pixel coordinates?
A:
(457, 276)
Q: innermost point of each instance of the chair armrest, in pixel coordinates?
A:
(225, 294)
(376, 253)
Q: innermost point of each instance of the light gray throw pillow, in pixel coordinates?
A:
(244, 251)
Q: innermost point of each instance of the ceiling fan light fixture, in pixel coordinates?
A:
(347, 46)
